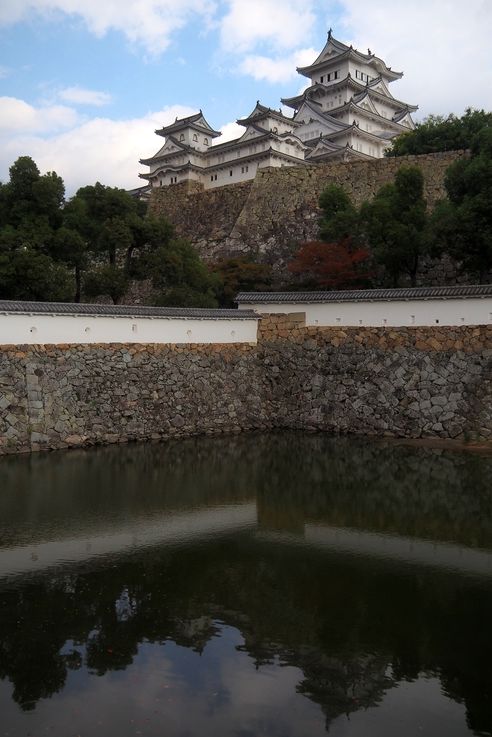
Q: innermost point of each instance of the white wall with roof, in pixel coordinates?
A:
(39, 329)
(391, 313)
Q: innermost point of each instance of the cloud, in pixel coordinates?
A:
(17, 116)
(281, 24)
(276, 70)
(80, 96)
(230, 131)
(146, 23)
(4, 72)
(443, 47)
(98, 149)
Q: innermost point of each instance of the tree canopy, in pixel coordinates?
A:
(95, 244)
(30, 214)
(240, 274)
(442, 133)
(462, 224)
(395, 224)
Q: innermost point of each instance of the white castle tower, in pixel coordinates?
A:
(347, 112)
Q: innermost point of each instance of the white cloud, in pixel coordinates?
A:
(81, 96)
(230, 131)
(98, 149)
(443, 46)
(280, 23)
(17, 116)
(147, 23)
(276, 70)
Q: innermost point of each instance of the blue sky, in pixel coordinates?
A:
(84, 83)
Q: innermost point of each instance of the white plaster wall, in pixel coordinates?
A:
(18, 329)
(450, 312)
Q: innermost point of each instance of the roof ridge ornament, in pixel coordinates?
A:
(330, 33)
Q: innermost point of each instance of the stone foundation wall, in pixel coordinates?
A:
(61, 396)
(270, 216)
(399, 382)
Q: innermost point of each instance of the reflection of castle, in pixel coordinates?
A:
(347, 112)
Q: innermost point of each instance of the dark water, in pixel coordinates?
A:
(281, 585)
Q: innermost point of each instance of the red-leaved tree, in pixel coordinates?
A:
(331, 265)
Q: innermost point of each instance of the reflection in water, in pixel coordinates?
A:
(264, 585)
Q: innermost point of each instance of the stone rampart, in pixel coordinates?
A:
(399, 382)
(270, 216)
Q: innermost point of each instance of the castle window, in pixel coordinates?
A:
(205, 141)
(182, 137)
(230, 173)
(321, 79)
(195, 137)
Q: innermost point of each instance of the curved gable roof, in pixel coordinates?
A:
(336, 50)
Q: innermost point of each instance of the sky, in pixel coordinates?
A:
(85, 83)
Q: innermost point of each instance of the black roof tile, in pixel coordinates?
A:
(367, 295)
(98, 310)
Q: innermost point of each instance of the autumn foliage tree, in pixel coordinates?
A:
(338, 260)
(331, 265)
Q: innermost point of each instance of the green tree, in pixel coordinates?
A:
(439, 133)
(26, 274)
(462, 224)
(108, 279)
(395, 224)
(102, 226)
(30, 214)
(70, 248)
(240, 274)
(179, 276)
(339, 217)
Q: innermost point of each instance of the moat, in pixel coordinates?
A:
(286, 585)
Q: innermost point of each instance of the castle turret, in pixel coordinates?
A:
(349, 104)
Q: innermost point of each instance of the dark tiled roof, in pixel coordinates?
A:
(72, 308)
(367, 295)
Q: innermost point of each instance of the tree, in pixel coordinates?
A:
(395, 224)
(331, 265)
(240, 274)
(339, 217)
(179, 276)
(462, 225)
(111, 226)
(439, 133)
(26, 274)
(108, 279)
(30, 213)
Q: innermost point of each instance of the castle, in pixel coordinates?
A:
(346, 113)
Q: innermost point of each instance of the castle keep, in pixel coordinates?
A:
(346, 113)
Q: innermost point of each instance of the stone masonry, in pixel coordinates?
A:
(269, 217)
(398, 382)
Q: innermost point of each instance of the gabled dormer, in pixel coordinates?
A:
(269, 120)
(193, 131)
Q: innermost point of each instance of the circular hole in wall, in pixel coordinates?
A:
(188, 333)
(233, 333)
(87, 330)
(33, 330)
